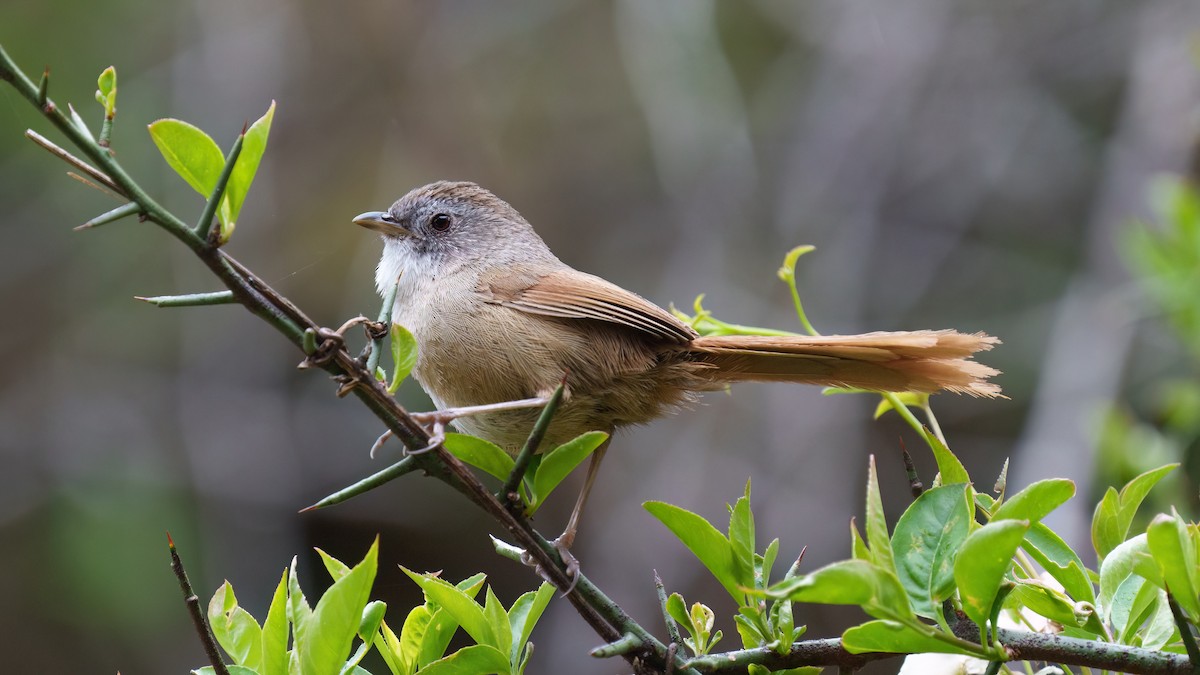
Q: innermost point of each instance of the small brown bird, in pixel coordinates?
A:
(498, 318)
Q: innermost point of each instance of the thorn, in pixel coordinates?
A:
(245, 127)
(306, 509)
(43, 87)
(170, 541)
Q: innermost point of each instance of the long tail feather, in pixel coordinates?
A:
(921, 361)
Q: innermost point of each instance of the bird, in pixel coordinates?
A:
(499, 320)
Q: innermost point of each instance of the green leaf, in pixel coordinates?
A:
(389, 647)
(254, 145)
(878, 541)
(233, 670)
(524, 615)
(560, 462)
(1043, 600)
(1131, 557)
(1036, 501)
(298, 611)
(677, 608)
(788, 270)
(895, 638)
(458, 603)
(766, 564)
(858, 547)
(192, 153)
(849, 582)
(741, 539)
(275, 632)
(1175, 552)
(703, 540)
(473, 660)
(1106, 534)
(336, 568)
(414, 638)
(236, 631)
(949, 468)
(479, 453)
(404, 356)
(1060, 561)
(983, 560)
(1124, 616)
(106, 94)
(337, 616)
(927, 538)
(1115, 513)
(372, 617)
(497, 618)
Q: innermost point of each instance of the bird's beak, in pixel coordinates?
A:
(382, 222)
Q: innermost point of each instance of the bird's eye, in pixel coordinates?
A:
(440, 222)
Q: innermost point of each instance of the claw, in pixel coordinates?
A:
(570, 562)
(383, 438)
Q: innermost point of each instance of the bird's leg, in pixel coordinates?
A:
(435, 421)
(567, 538)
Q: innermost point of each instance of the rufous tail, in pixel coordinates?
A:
(924, 361)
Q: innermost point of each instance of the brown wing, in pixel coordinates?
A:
(571, 294)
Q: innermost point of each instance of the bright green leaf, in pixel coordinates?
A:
(560, 462)
(925, 542)
(298, 611)
(192, 153)
(336, 568)
(703, 540)
(1036, 501)
(849, 582)
(895, 638)
(1042, 600)
(473, 660)
(253, 146)
(275, 632)
(878, 541)
(235, 629)
(479, 453)
(1106, 534)
(404, 356)
(677, 609)
(497, 618)
(233, 670)
(858, 547)
(106, 94)
(465, 611)
(1175, 553)
(372, 617)
(1131, 557)
(524, 615)
(741, 539)
(1060, 561)
(949, 468)
(336, 617)
(982, 562)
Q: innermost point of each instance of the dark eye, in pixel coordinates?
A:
(440, 222)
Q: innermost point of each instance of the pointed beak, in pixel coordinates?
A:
(382, 222)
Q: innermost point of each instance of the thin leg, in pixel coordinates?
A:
(435, 422)
(567, 538)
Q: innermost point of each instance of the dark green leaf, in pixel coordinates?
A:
(926, 539)
(982, 562)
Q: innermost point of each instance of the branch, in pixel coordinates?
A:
(197, 614)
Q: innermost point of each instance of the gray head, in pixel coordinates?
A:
(447, 224)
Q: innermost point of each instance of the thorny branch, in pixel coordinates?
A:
(327, 351)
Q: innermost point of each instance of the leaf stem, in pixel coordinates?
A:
(1185, 633)
(530, 447)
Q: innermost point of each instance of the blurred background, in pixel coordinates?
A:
(957, 164)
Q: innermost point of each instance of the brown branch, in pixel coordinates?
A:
(197, 613)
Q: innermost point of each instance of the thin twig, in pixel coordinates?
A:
(1185, 633)
(203, 630)
(96, 174)
(509, 491)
